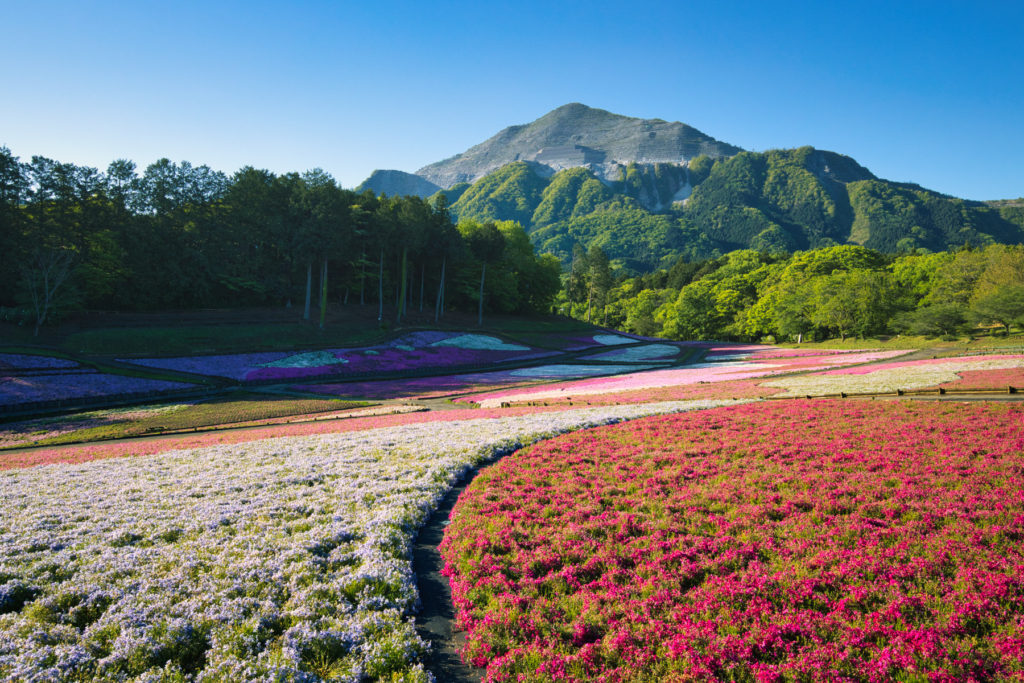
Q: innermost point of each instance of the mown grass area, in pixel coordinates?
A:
(225, 411)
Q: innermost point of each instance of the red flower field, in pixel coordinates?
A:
(821, 540)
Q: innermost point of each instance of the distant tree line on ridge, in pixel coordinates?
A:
(835, 291)
(180, 236)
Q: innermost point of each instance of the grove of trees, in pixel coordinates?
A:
(837, 291)
(178, 236)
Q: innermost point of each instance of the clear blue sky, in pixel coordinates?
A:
(929, 92)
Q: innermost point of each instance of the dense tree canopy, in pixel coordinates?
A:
(181, 236)
(834, 291)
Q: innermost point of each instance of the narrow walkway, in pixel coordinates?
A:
(436, 619)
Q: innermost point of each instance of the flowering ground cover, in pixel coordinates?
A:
(25, 432)
(415, 350)
(418, 387)
(728, 389)
(114, 424)
(282, 559)
(988, 379)
(634, 354)
(719, 371)
(21, 361)
(810, 540)
(890, 377)
(16, 389)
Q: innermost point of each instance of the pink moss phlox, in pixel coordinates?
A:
(817, 540)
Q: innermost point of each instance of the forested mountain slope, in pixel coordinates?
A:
(775, 201)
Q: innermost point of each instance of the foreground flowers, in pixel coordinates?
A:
(282, 559)
(800, 541)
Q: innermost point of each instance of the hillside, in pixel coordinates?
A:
(780, 200)
(649, 192)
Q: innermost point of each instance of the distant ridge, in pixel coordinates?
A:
(398, 183)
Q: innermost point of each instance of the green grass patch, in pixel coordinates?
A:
(226, 411)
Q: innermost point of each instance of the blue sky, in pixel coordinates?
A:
(928, 92)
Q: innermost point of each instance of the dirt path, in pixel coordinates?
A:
(436, 619)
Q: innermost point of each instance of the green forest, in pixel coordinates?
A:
(778, 201)
(178, 236)
(785, 245)
(832, 292)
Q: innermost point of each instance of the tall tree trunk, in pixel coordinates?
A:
(405, 284)
(440, 291)
(323, 294)
(362, 279)
(380, 288)
(480, 314)
(423, 281)
(309, 289)
(590, 298)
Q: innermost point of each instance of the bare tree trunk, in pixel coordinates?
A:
(309, 289)
(423, 280)
(380, 288)
(480, 314)
(402, 292)
(46, 273)
(440, 291)
(362, 279)
(323, 294)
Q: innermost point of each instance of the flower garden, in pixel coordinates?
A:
(412, 351)
(802, 540)
(795, 540)
(277, 559)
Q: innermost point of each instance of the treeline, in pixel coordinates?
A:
(810, 295)
(179, 236)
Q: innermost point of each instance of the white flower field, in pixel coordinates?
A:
(285, 559)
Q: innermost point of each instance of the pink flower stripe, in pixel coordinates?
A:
(988, 379)
(653, 379)
(420, 387)
(680, 392)
(154, 445)
(919, 363)
(811, 540)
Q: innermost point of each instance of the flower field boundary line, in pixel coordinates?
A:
(282, 559)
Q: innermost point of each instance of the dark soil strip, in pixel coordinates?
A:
(436, 620)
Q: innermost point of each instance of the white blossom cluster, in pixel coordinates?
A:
(286, 559)
(907, 377)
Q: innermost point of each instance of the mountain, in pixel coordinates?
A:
(577, 135)
(780, 200)
(649, 192)
(398, 183)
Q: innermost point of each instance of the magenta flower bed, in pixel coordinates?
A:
(86, 384)
(988, 379)
(818, 541)
(693, 374)
(923, 363)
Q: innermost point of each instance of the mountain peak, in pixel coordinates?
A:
(575, 135)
